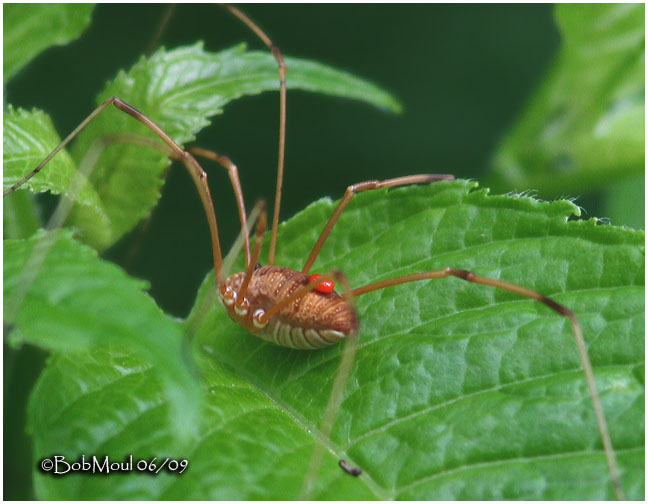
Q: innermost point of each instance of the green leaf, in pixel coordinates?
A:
(29, 29)
(179, 90)
(27, 139)
(60, 296)
(459, 391)
(20, 216)
(584, 128)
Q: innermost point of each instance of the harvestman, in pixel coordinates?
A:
(292, 308)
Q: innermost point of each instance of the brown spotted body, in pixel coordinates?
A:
(315, 320)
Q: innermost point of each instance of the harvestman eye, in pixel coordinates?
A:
(296, 309)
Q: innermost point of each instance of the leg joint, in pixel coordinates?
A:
(460, 273)
(367, 185)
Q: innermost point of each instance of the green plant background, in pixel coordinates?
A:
(462, 73)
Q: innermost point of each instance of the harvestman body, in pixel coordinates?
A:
(292, 308)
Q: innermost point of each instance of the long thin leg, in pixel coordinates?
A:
(282, 121)
(561, 310)
(351, 191)
(206, 303)
(38, 255)
(232, 171)
(66, 141)
(224, 161)
(335, 398)
(161, 29)
(198, 175)
(261, 226)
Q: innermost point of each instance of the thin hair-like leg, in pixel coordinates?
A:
(232, 171)
(335, 398)
(469, 276)
(198, 175)
(351, 191)
(341, 376)
(161, 28)
(261, 226)
(206, 303)
(282, 121)
(224, 161)
(42, 247)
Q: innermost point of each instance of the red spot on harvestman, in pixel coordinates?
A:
(326, 286)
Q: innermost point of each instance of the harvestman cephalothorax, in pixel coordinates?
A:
(297, 309)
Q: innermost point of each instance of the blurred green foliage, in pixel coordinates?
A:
(53, 24)
(583, 130)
